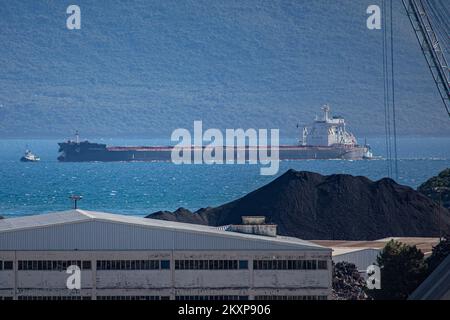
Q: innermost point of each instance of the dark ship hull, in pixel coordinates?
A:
(86, 151)
(24, 159)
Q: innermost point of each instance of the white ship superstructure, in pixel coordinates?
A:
(328, 131)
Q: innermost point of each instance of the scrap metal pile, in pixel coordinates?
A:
(348, 283)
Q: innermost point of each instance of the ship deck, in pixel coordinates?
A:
(169, 148)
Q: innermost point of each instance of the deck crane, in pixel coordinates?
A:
(430, 46)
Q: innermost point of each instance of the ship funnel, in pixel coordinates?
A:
(326, 110)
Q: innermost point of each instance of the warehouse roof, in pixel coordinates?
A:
(436, 286)
(45, 231)
(343, 246)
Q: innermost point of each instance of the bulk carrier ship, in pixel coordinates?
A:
(326, 138)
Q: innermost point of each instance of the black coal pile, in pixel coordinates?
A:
(347, 282)
(179, 215)
(337, 207)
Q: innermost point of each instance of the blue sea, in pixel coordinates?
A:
(142, 188)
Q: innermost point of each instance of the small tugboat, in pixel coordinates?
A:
(29, 157)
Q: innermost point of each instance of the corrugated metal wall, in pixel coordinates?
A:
(101, 235)
(362, 258)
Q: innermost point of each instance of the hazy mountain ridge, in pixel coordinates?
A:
(150, 67)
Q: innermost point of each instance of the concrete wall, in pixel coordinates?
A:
(171, 282)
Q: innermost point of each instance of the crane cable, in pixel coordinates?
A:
(441, 25)
(389, 91)
(394, 116)
(387, 126)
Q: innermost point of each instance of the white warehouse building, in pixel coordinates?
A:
(126, 257)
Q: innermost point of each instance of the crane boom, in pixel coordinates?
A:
(431, 48)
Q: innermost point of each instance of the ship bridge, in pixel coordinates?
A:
(328, 131)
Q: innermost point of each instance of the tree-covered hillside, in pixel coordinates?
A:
(143, 68)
